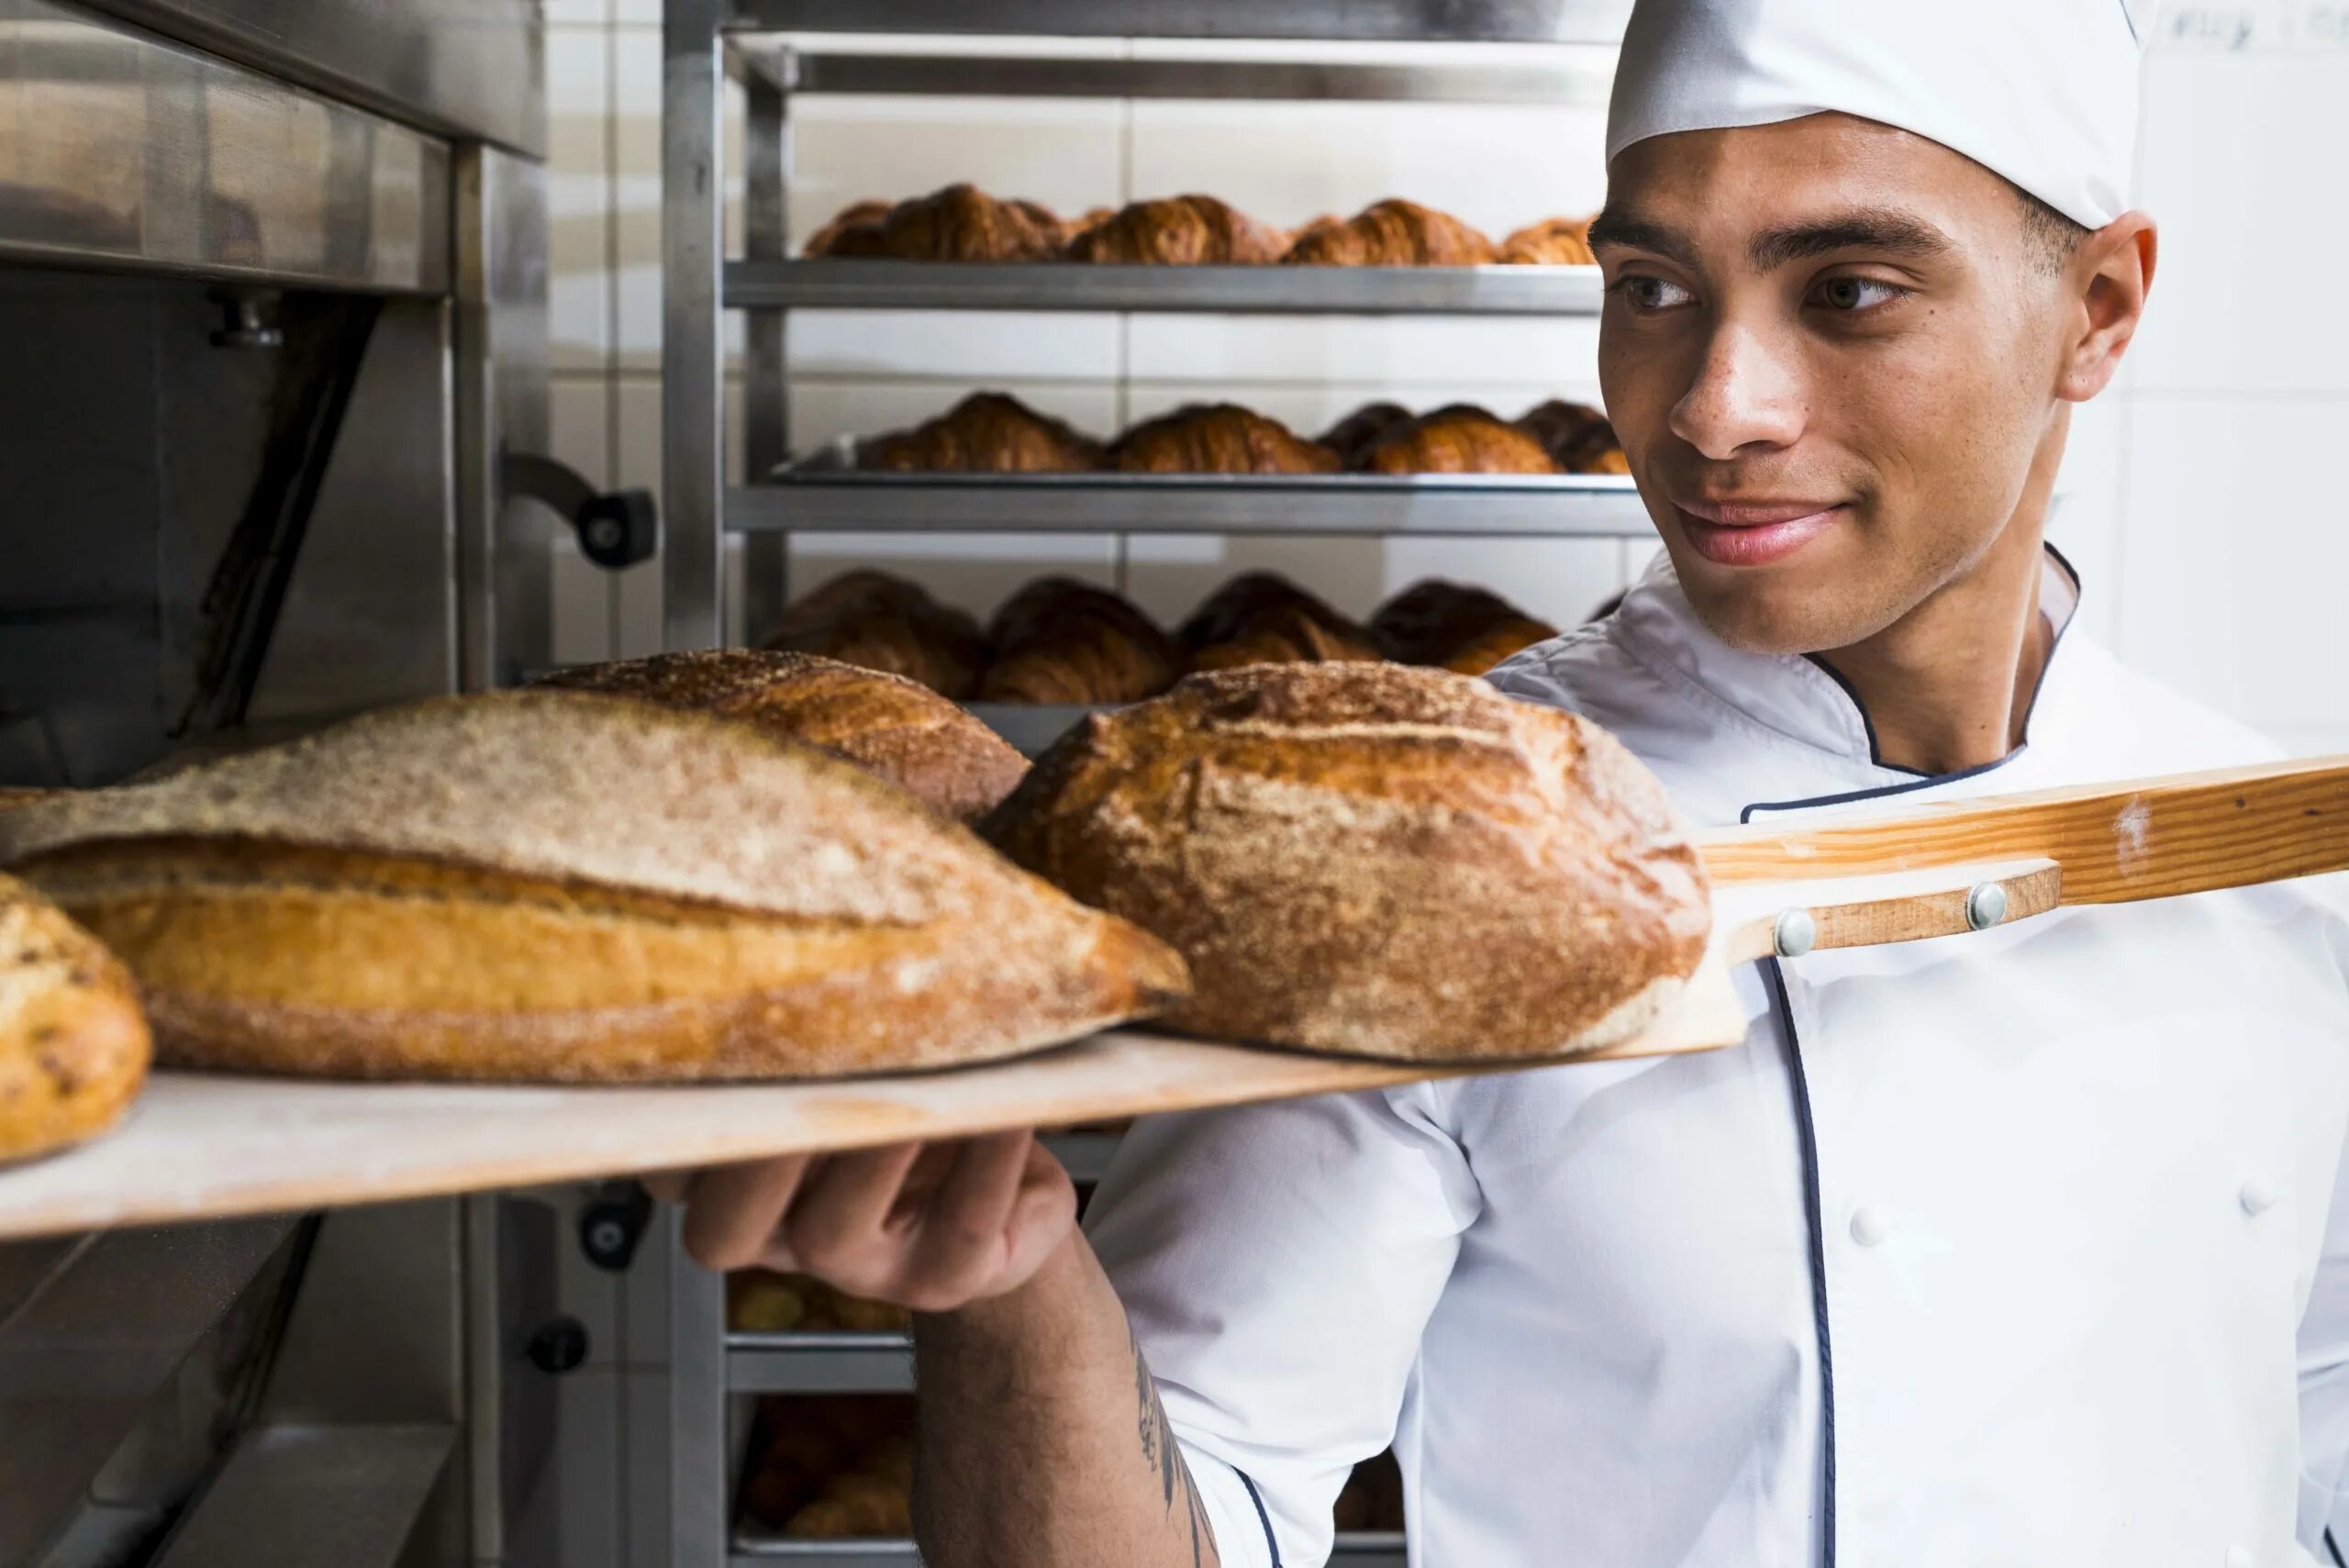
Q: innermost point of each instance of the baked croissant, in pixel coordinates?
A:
(1576, 436)
(959, 223)
(988, 432)
(1179, 231)
(1220, 437)
(879, 622)
(1351, 437)
(1553, 242)
(869, 213)
(1392, 233)
(1059, 641)
(1465, 630)
(1287, 635)
(1461, 439)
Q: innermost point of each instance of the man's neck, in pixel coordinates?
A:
(1948, 685)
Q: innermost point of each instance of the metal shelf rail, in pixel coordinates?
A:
(703, 42)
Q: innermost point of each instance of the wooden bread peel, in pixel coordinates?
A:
(202, 1146)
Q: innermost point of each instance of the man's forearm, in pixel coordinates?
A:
(1043, 1441)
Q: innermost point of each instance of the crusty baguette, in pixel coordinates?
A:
(1375, 860)
(895, 728)
(563, 885)
(74, 1045)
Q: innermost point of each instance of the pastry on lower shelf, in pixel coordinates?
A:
(1392, 233)
(564, 886)
(1188, 231)
(74, 1044)
(1351, 437)
(1218, 438)
(877, 621)
(988, 432)
(1576, 436)
(1059, 640)
(897, 729)
(1553, 242)
(1462, 628)
(803, 1446)
(758, 1301)
(1377, 861)
(959, 223)
(1459, 438)
(1263, 617)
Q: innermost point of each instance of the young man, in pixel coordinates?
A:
(2014, 1247)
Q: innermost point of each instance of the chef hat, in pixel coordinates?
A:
(2043, 92)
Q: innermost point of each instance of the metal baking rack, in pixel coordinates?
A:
(708, 40)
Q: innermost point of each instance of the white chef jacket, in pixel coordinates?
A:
(2018, 1248)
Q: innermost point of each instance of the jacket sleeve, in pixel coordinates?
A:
(2323, 1346)
(1277, 1262)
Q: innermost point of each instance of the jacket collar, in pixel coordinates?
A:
(1789, 698)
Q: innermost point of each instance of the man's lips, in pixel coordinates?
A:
(1753, 533)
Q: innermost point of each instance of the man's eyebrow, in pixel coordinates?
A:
(1637, 233)
(1869, 228)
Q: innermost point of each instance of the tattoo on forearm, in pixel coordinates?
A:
(1160, 1453)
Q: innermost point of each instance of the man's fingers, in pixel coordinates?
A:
(837, 1223)
(668, 1186)
(960, 1246)
(733, 1211)
(1044, 1212)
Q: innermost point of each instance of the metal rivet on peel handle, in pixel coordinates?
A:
(1985, 905)
(1793, 935)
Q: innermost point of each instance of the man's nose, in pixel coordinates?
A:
(1745, 398)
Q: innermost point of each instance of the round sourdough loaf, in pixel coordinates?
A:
(893, 727)
(1375, 859)
(74, 1045)
(565, 886)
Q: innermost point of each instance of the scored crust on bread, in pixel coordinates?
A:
(1553, 242)
(894, 728)
(1459, 438)
(877, 621)
(1059, 640)
(74, 1045)
(988, 432)
(1186, 231)
(1218, 438)
(555, 885)
(1392, 233)
(1375, 860)
(957, 223)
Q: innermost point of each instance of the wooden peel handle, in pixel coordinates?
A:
(2116, 843)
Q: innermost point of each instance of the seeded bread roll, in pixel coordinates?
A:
(566, 886)
(891, 727)
(1375, 860)
(74, 1045)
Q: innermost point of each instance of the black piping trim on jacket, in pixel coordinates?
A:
(1867, 724)
(1263, 1517)
(1813, 1218)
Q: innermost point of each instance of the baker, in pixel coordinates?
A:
(2019, 1248)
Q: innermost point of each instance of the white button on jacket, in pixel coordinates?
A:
(1951, 1264)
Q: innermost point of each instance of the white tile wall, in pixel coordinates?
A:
(2194, 495)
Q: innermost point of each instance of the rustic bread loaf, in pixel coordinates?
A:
(1188, 231)
(887, 724)
(1460, 628)
(1391, 233)
(562, 885)
(988, 432)
(877, 621)
(74, 1044)
(1457, 438)
(1218, 438)
(1059, 640)
(1375, 859)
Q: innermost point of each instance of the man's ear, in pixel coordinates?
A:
(2110, 272)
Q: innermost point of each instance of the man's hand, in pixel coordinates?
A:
(930, 1227)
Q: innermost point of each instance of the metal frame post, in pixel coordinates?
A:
(766, 426)
(693, 347)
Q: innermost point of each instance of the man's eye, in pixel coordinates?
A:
(1851, 295)
(1653, 294)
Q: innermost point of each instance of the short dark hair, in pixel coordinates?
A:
(2052, 237)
